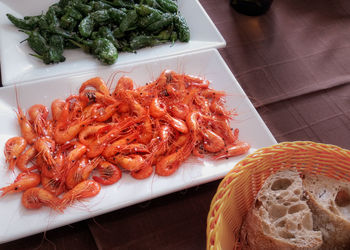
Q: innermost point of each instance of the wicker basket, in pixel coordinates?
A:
(237, 191)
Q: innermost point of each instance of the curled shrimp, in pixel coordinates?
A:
(108, 173)
(143, 173)
(54, 185)
(238, 148)
(57, 107)
(147, 131)
(212, 141)
(97, 83)
(179, 110)
(38, 116)
(22, 182)
(135, 107)
(13, 149)
(64, 133)
(80, 171)
(130, 162)
(178, 124)
(24, 159)
(124, 83)
(115, 147)
(46, 147)
(84, 189)
(93, 96)
(167, 165)
(158, 110)
(36, 197)
(88, 135)
(97, 147)
(77, 151)
(27, 129)
(105, 113)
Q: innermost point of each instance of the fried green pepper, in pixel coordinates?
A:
(117, 15)
(182, 28)
(37, 42)
(105, 32)
(129, 21)
(144, 10)
(99, 5)
(148, 20)
(104, 50)
(29, 23)
(100, 16)
(51, 56)
(57, 42)
(142, 41)
(86, 26)
(152, 3)
(102, 27)
(129, 4)
(167, 5)
(164, 22)
(83, 8)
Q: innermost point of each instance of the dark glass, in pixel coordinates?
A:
(251, 7)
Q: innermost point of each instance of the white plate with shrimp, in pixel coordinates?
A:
(17, 66)
(127, 191)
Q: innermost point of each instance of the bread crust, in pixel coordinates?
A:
(327, 215)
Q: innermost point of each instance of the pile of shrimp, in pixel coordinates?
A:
(96, 135)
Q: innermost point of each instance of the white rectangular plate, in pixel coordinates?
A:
(17, 66)
(17, 222)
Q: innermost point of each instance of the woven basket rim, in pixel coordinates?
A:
(223, 189)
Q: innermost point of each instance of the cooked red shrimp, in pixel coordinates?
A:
(157, 109)
(238, 148)
(84, 189)
(46, 146)
(97, 146)
(36, 197)
(105, 113)
(146, 134)
(77, 150)
(56, 108)
(27, 129)
(108, 173)
(124, 83)
(168, 164)
(54, 185)
(25, 158)
(153, 128)
(13, 149)
(117, 145)
(22, 182)
(179, 110)
(81, 171)
(130, 162)
(212, 142)
(93, 96)
(97, 83)
(143, 173)
(64, 133)
(38, 116)
(88, 134)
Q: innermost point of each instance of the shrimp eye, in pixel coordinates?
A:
(16, 188)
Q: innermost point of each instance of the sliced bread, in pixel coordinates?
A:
(280, 218)
(329, 200)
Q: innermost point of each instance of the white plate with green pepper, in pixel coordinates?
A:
(44, 38)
